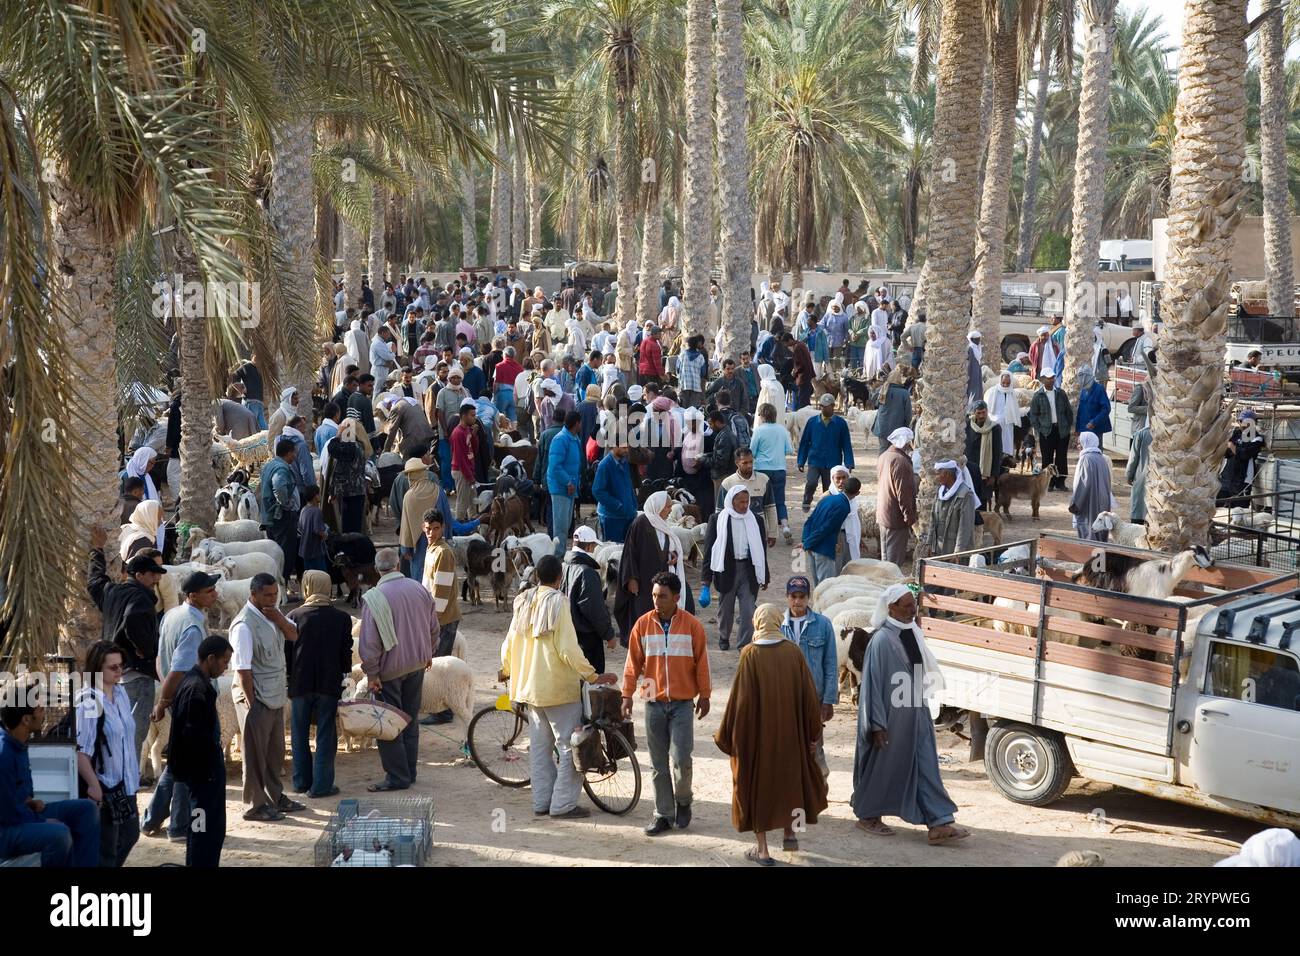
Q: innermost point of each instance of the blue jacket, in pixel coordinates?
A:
(823, 445)
(823, 526)
(612, 489)
(475, 381)
(1094, 409)
(586, 376)
(15, 783)
(278, 476)
(817, 641)
(564, 464)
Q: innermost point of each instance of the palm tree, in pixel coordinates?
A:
(821, 110)
(621, 26)
(1011, 21)
(736, 202)
(1272, 141)
(1056, 44)
(698, 197)
(950, 246)
(1089, 191)
(468, 217)
(1189, 427)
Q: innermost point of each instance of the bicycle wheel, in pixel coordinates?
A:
(615, 786)
(498, 745)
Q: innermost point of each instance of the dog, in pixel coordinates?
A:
(1009, 486)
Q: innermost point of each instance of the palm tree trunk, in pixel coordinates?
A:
(1272, 148)
(950, 245)
(990, 249)
(986, 115)
(294, 216)
(733, 185)
(698, 196)
(1089, 191)
(534, 210)
(625, 166)
(83, 280)
(835, 245)
(468, 217)
(652, 247)
(1189, 429)
(1029, 199)
(350, 253)
(501, 181)
(378, 224)
(198, 480)
(518, 211)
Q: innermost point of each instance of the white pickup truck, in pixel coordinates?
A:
(1212, 720)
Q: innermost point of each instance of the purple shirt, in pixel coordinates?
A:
(415, 622)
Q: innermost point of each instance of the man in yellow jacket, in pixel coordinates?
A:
(541, 657)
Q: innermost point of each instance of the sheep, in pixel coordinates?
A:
(796, 421)
(151, 756)
(212, 551)
(244, 529)
(1121, 532)
(882, 572)
(234, 501)
(539, 545)
(852, 631)
(247, 565)
(449, 682)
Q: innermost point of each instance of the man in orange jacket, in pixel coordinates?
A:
(668, 659)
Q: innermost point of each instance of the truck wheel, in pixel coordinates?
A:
(1012, 346)
(1029, 765)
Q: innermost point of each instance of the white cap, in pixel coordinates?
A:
(584, 535)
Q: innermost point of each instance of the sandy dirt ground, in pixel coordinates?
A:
(480, 824)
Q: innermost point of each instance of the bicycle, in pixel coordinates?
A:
(498, 745)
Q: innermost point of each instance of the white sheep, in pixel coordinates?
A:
(232, 595)
(244, 529)
(247, 565)
(169, 585)
(539, 545)
(882, 572)
(1121, 532)
(212, 551)
(796, 421)
(448, 683)
(151, 756)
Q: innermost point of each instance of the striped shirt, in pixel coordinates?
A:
(440, 581)
(690, 371)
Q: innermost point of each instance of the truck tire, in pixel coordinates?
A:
(1028, 764)
(1012, 346)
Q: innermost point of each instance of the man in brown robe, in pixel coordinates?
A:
(770, 730)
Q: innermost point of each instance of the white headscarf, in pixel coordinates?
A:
(669, 312)
(963, 478)
(146, 521)
(1089, 444)
(286, 405)
(1276, 847)
(975, 346)
(900, 436)
(767, 373)
(135, 468)
(1003, 406)
(718, 556)
(853, 523)
(609, 378)
(765, 292)
(653, 505)
(933, 677)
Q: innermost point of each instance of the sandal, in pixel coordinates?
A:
(752, 855)
(878, 828)
(790, 844)
(954, 833)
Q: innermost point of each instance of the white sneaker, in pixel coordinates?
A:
(787, 534)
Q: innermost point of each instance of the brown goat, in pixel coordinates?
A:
(1008, 486)
(508, 516)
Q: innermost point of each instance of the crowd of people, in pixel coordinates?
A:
(483, 389)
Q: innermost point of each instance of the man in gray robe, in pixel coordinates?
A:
(1091, 495)
(896, 763)
(952, 523)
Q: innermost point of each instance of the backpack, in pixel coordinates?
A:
(740, 428)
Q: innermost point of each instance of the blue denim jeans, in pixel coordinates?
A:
(504, 399)
(856, 355)
(561, 518)
(258, 410)
(917, 355)
(444, 465)
(171, 800)
(670, 733)
(776, 480)
(68, 837)
(313, 775)
(614, 529)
